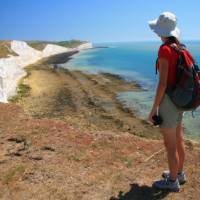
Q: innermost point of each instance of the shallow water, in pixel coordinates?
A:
(134, 61)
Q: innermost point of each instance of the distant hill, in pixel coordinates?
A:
(40, 45)
(15, 55)
(5, 46)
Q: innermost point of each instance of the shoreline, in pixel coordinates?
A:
(12, 67)
(87, 101)
(116, 82)
(188, 135)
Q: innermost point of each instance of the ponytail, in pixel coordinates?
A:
(172, 39)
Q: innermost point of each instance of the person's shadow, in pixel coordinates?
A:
(141, 193)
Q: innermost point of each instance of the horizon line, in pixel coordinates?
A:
(141, 41)
(95, 42)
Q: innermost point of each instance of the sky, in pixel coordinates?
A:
(93, 20)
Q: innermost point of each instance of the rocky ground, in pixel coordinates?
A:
(67, 138)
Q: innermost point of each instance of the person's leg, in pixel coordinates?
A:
(169, 136)
(180, 146)
(170, 115)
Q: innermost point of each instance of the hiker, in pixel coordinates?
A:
(55, 67)
(171, 117)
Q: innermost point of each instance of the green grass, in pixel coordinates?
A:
(19, 169)
(75, 158)
(128, 163)
(23, 90)
(71, 43)
(40, 45)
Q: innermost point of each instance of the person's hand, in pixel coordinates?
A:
(151, 114)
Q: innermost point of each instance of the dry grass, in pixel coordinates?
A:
(62, 162)
(12, 173)
(40, 45)
(5, 49)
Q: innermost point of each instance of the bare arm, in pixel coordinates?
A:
(162, 85)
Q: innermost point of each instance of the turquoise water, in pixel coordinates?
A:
(134, 61)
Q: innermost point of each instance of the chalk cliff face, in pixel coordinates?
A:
(11, 69)
(25, 52)
(85, 46)
(52, 49)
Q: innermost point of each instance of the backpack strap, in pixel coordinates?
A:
(176, 48)
(181, 51)
(156, 69)
(156, 66)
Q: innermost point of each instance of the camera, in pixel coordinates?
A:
(157, 120)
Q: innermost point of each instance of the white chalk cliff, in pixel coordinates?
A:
(11, 69)
(52, 49)
(84, 46)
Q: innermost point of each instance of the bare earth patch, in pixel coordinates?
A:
(48, 159)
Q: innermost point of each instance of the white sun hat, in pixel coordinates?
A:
(165, 25)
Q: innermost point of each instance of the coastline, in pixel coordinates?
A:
(132, 107)
(87, 101)
(12, 66)
(109, 86)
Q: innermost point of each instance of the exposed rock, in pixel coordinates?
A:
(18, 148)
(126, 127)
(48, 148)
(16, 139)
(35, 157)
(2, 161)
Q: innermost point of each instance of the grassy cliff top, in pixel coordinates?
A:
(71, 43)
(5, 49)
(40, 45)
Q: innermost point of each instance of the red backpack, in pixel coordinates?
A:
(186, 93)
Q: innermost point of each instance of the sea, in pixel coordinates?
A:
(134, 61)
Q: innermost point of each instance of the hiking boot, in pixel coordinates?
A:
(181, 176)
(167, 184)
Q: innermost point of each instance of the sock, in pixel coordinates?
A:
(172, 180)
(180, 173)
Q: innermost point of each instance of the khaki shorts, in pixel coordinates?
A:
(169, 113)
